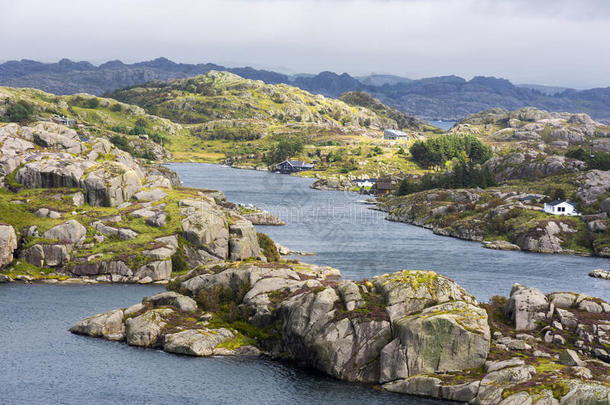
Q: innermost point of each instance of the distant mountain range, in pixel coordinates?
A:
(443, 98)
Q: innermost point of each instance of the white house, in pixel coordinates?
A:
(394, 134)
(368, 183)
(560, 207)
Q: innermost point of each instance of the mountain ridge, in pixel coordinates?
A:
(445, 97)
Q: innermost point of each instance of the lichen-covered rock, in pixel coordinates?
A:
(145, 330)
(409, 292)
(526, 306)
(196, 342)
(8, 244)
(111, 184)
(583, 393)
(447, 337)
(208, 229)
(108, 325)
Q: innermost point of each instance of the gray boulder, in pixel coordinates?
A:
(70, 231)
(526, 306)
(111, 184)
(145, 330)
(108, 325)
(8, 244)
(196, 342)
(208, 231)
(243, 241)
(158, 270)
(179, 301)
(447, 337)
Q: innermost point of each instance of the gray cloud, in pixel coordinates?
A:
(557, 42)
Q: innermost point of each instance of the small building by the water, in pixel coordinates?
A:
(293, 166)
(394, 134)
(560, 207)
(383, 187)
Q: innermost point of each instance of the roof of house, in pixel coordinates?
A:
(395, 132)
(297, 163)
(383, 185)
(557, 202)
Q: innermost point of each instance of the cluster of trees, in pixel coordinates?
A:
(464, 175)
(235, 134)
(91, 103)
(434, 152)
(20, 111)
(595, 160)
(284, 149)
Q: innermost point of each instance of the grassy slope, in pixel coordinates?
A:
(220, 101)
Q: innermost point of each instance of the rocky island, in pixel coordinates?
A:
(413, 332)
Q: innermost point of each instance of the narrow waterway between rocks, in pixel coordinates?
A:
(347, 235)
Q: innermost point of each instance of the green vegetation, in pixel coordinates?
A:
(435, 152)
(464, 175)
(268, 247)
(595, 160)
(285, 148)
(20, 111)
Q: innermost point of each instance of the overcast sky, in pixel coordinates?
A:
(555, 42)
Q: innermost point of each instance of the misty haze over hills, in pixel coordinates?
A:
(443, 98)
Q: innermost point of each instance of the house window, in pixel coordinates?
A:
(561, 209)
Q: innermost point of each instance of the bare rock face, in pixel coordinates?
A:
(342, 347)
(108, 325)
(546, 238)
(145, 330)
(158, 270)
(448, 337)
(8, 244)
(409, 292)
(179, 301)
(207, 229)
(593, 184)
(243, 241)
(196, 342)
(111, 184)
(53, 171)
(41, 255)
(526, 306)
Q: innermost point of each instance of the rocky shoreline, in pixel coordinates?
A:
(477, 215)
(412, 332)
(84, 209)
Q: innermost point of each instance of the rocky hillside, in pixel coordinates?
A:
(510, 216)
(73, 208)
(412, 332)
(531, 129)
(222, 96)
(140, 134)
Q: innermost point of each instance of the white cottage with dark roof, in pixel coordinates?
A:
(560, 207)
